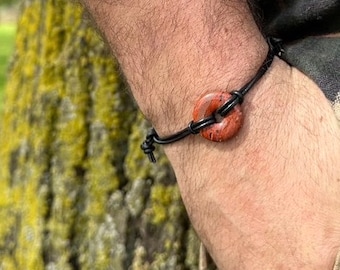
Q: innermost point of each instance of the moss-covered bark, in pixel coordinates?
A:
(75, 190)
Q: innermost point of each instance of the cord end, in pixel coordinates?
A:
(276, 46)
(148, 147)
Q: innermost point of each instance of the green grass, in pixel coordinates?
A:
(7, 36)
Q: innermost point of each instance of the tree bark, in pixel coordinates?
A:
(76, 190)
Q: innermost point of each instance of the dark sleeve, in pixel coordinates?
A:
(319, 58)
(301, 25)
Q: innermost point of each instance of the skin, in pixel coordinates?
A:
(269, 197)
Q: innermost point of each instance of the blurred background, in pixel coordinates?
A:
(76, 191)
(9, 10)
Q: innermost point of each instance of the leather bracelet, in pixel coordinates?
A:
(217, 116)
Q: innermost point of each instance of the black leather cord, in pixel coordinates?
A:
(237, 97)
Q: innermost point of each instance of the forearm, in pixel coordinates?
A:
(174, 51)
(270, 194)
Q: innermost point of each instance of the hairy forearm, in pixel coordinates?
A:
(268, 197)
(171, 49)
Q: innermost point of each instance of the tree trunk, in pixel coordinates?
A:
(76, 190)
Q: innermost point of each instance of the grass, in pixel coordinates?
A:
(7, 36)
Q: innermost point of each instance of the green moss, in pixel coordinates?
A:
(135, 197)
(32, 98)
(136, 163)
(139, 262)
(74, 182)
(164, 200)
(192, 247)
(7, 34)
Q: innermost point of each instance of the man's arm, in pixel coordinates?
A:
(268, 198)
(173, 51)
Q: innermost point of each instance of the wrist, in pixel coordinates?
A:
(181, 73)
(257, 188)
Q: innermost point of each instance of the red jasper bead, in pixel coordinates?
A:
(226, 127)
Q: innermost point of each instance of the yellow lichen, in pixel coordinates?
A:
(69, 152)
(162, 198)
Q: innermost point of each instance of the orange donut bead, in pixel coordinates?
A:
(226, 127)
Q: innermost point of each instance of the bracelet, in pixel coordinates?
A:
(217, 116)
